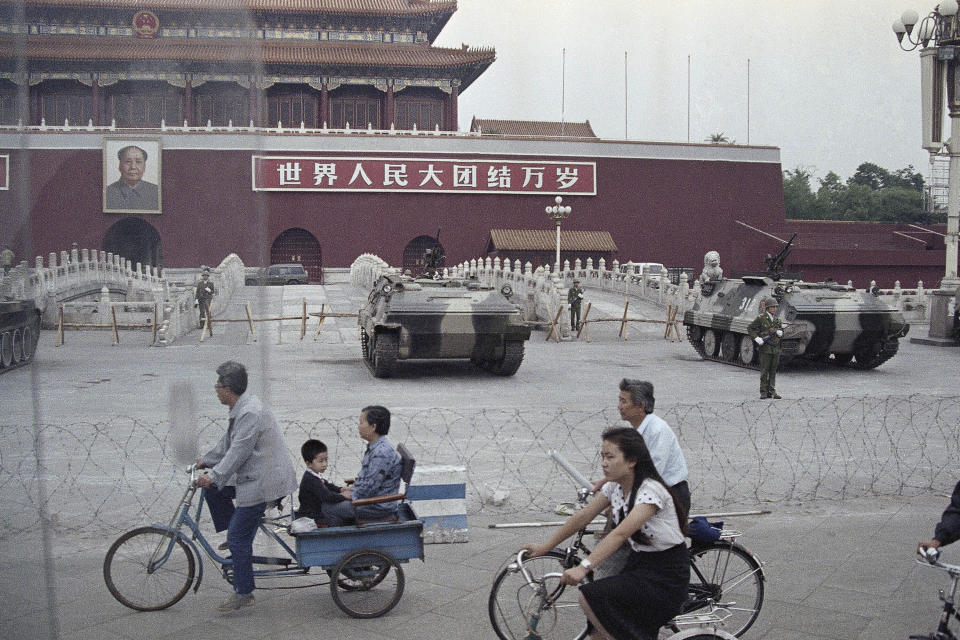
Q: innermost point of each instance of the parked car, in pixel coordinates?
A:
(278, 274)
(636, 268)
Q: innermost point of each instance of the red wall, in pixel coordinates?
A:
(669, 211)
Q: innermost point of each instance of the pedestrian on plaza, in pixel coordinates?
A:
(575, 298)
(650, 587)
(380, 467)
(250, 464)
(766, 330)
(204, 294)
(947, 530)
(635, 403)
(6, 258)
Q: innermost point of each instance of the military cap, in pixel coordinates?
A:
(770, 302)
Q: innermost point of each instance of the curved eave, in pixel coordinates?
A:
(376, 8)
(465, 64)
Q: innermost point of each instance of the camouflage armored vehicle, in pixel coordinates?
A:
(19, 332)
(823, 320)
(423, 318)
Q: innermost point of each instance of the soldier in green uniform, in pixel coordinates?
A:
(204, 294)
(766, 330)
(575, 297)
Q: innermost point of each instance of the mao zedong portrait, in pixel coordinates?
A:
(131, 191)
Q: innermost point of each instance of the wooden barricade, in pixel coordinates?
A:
(671, 323)
(302, 317)
(113, 325)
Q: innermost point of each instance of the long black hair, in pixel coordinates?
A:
(634, 448)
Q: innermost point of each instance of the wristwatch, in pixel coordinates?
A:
(586, 564)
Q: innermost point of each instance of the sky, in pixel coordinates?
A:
(828, 83)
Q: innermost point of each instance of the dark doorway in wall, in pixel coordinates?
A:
(413, 253)
(135, 240)
(299, 246)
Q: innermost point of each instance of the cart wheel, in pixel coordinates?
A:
(367, 583)
(148, 569)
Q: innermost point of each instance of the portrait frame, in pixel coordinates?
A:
(114, 195)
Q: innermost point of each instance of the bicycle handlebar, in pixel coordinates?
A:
(571, 470)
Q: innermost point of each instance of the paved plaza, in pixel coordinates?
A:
(838, 568)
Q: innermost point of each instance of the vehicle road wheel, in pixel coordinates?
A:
(29, 343)
(148, 569)
(513, 599)
(293, 282)
(748, 351)
(512, 357)
(842, 358)
(6, 349)
(386, 348)
(17, 346)
(729, 346)
(367, 583)
(711, 343)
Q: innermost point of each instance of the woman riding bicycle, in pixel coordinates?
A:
(652, 586)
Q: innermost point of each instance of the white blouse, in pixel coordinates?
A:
(662, 529)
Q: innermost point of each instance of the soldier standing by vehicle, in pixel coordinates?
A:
(6, 258)
(766, 330)
(204, 294)
(575, 297)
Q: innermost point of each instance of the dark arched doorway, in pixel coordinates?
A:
(413, 253)
(301, 247)
(135, 240)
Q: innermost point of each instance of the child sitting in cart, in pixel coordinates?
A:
(325, 502)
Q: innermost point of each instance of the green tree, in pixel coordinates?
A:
(798, 198)
(870, 175)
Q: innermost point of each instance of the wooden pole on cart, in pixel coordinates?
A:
(323, 307)
(116, 334)
(583, 323)
(59, 327)
(253, 331)
(303, 320)
(623, 321)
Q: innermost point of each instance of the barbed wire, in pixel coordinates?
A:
(108, 476)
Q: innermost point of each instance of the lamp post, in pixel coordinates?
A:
(558, 212)
(939, 38)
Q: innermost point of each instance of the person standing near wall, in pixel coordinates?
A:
(766, 330)
(575, 299)
(204, 294)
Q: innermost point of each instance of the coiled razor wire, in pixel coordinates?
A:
(103, 477)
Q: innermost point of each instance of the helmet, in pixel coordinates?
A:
(770, 302)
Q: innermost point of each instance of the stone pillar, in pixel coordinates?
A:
(188, 100)
(252, 103)
(941, 321)
(389, 109)
(324, 105)
(95, 101)
(452, 109)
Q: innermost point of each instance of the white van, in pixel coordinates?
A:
(636, 268)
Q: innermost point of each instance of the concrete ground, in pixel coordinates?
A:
(835, 569)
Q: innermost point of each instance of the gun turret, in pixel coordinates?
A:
(433, 258)
(775, 263)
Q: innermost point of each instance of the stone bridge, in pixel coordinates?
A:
(90, 276)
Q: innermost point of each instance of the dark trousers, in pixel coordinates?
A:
(768, 372)
(241, 524)
(682, 490)
(574, 316)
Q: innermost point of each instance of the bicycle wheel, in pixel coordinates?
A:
(148, 569)
(726, 575)
(706, 633)
(367, 583)
(514, 602)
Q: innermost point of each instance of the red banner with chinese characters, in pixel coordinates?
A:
(423, 175)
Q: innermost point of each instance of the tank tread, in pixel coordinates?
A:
(700, 349)
(18, 344)
(512, 357)
(888, 349)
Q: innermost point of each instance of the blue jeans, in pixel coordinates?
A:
(241, 524)
(243, 528)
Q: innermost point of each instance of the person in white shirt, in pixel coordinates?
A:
(651, 587)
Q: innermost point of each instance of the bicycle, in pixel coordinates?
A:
(726, 587)
(931, 558)
(153, 567)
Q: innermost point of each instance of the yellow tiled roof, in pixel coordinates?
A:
(546, 240)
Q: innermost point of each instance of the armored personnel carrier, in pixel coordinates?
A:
(425, 318)
(19, 332)
(823, 320)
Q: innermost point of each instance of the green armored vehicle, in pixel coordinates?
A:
(430, 318)
(19, 332)
(823, 321)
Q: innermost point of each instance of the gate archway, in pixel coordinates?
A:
(413, 253)
(135, 240)
(298, 245)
